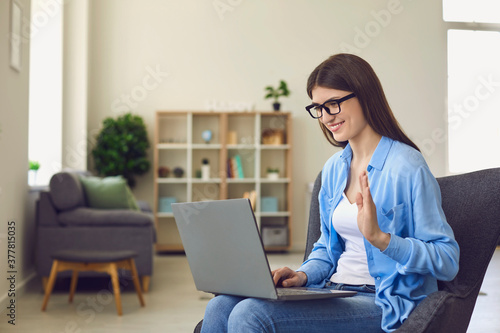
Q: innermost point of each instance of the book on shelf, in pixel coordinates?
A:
(234, 167)
(230, 173)
(239, 167)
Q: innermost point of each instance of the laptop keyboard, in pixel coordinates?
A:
(297, 291)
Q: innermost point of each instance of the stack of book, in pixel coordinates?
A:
(234, 168)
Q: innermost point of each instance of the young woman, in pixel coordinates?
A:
(383, 231)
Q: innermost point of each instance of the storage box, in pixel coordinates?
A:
(269, 204)
(273, 136)
(165, 204)
(275, 236)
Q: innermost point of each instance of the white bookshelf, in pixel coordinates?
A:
(178, 143)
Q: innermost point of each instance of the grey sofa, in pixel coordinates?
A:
(65, 222)
(471, 203)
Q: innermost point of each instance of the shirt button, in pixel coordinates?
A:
(378, 277)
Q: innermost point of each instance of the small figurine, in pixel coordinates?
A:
(206, 136)
(205, 169)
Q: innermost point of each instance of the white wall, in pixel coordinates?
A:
(14, 159)
(230, 50)
(75, 71)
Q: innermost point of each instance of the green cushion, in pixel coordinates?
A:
(108, 193)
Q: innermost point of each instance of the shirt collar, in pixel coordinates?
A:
(347, 153)
(379, 155)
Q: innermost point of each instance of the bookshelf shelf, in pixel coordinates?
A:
(171, 180)
(171, 146)
(274, 147)
(263, 214)
(207, 181)
(270, 181)
(206, 146)
(242, 147)
(241, 180)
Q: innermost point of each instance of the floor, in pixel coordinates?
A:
(173, 304)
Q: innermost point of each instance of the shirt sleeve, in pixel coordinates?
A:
(322, 262)
(318, 266)
(433, 248)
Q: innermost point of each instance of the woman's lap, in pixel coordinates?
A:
(236, 314)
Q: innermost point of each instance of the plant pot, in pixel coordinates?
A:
(32, 177)
(276, 106)
(163, 172)
(273, 175)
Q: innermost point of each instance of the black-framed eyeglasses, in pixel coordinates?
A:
(332, 107)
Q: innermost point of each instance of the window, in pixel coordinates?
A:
(484, 11)
(45, 105)
(473, 86)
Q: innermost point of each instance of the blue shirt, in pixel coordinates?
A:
(422, 248)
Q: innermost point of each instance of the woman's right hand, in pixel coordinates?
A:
(287, 277)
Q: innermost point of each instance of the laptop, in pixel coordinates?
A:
(226, 254)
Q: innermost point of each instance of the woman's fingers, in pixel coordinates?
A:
(287, 277)
(279, 275)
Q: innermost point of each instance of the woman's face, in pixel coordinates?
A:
(349, 123)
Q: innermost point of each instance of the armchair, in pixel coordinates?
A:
(64, 221)
(471, 203)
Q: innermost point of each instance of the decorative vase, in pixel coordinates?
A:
(205, 169)
(276, 106)
(178, 172)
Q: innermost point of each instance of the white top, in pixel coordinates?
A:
(352, 266)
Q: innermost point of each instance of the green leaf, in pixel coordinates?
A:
(121, 147)
(281, 90)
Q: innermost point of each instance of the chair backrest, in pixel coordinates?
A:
(313, 230)
(471, 203)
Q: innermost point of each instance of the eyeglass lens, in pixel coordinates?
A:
(332, 107)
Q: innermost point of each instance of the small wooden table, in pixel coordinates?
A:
(99, 261)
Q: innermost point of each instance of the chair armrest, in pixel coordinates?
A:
(425, 313)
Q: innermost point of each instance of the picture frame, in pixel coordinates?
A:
(16, 14)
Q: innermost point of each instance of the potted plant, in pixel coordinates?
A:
(163, 171)
(273, 173)
(276, 93)
(33, 169)
(178, 172)
(121, 147)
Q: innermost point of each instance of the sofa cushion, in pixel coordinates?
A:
(108, 193)
(85, 216)
(66, 191)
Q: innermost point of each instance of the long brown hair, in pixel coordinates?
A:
(349, 72)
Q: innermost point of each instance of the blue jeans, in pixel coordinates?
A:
(351, 314)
